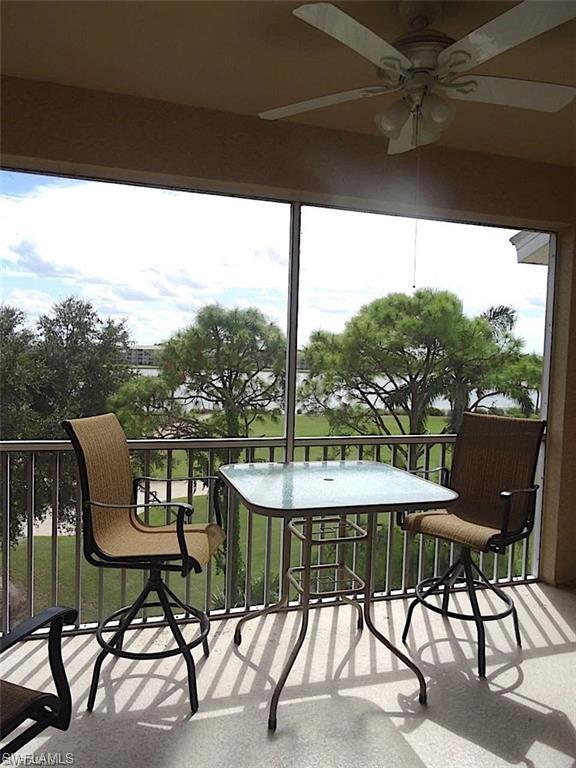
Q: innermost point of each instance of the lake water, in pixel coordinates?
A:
(497, 401)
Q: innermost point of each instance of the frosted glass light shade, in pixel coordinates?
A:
(437, 113)
(391, 121)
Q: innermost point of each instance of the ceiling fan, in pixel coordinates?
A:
(427, 66)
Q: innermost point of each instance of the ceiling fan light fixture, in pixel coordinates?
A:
(436, 112)
(391, 121)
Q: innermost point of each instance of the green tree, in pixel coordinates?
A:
(68, 366)
(229, 362)
(147, 406)
(391, 360)
(19, 376)
(401, 352)
(83, 359)
(496, 366)
(528, 373)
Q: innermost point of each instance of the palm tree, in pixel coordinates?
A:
(502, 318)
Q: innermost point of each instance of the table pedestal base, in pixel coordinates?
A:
(304, 587)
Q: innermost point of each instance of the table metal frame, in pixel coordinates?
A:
(292, 521)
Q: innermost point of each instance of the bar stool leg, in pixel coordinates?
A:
(192, 689)
(118, 635)
(466, 561)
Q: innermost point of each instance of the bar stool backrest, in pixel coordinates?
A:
(494, 454)
(106, 477)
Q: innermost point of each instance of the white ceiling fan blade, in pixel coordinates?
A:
(526, 94)
(323, 101)
(523, 22)
(334, 22)
(404, 142)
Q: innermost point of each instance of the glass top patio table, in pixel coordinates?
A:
(322, 487)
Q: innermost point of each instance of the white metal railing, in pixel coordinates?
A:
(42, 561)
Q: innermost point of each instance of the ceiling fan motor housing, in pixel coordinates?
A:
(423, 47)
(426, 66)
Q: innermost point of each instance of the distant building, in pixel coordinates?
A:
(144, 355)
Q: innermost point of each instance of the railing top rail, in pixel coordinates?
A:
(338, 440)
(26, 446)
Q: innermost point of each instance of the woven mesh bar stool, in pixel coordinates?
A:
(493, 471)
(19, 704)
(115, 537)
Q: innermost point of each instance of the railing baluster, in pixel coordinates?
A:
(267, 562)
(268, 548)
(420, 574)
(30, 507)
(210, 518)
(231, 523)
(248, 579)
(147, 470)
(436, 557)
(78, 554)
(168, 513)
(55, 514)
(285, 557)
(525, 545)
(190, 500)
(6, 509)
(388, 585)
(405, 543)
(249, 537)
(443, 454)
(100, 594)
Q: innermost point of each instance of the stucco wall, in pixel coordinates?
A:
(137, 139)
(559, 520)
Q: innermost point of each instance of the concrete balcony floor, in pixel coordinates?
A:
(346, 703)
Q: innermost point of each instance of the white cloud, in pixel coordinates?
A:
(155, 256)
(349, 259)
(33, 303)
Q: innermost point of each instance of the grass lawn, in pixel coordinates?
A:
(307, 426)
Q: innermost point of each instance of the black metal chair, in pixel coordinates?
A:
(115, 537)
(493, 471)
(18, 703)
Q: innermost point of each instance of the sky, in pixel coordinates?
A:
(154, 257)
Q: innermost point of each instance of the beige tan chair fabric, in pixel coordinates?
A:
(121, 533)
(493, 472)
(492, 454)
(116, 536)
(443, 525)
